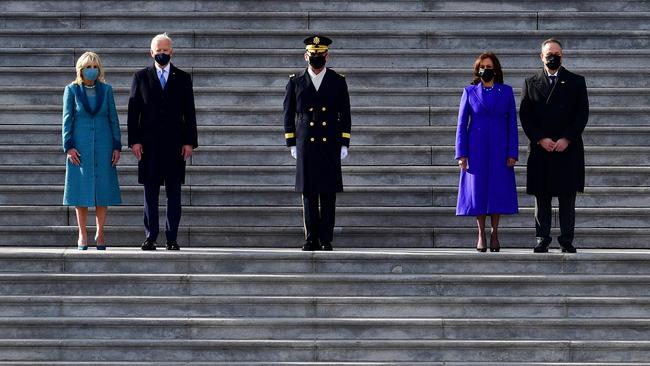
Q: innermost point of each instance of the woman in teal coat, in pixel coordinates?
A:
(91, 140)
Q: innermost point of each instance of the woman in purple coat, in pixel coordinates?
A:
(487, 149)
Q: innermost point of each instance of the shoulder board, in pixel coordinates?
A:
(292, 75)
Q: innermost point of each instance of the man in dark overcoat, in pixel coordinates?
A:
(162, 134)
(554, 112)
(317, 130)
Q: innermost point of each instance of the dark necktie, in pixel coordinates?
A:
(552, 77)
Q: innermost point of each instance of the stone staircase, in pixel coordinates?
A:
(397, 302)
(350, 307)
(405, 63)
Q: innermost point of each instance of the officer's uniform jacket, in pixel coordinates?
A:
(318, 124)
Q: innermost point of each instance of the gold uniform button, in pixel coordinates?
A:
(324, 109)
(312, 139)
(311, 123)
(311, 109)
(324, 139)
(324, 123)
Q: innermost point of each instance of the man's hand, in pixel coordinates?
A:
(294, 152)
(462, 163)
(547, 144)
(74, 156)
(344, 152)
(511, 162)
(137, 151)
(187, 151)
(561, 145)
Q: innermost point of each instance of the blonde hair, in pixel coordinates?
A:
(160, 37)
(89, 58)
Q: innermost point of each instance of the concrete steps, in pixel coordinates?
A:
(334, 351)
(406, 63)
(302, 5)
(597, 176)
(241, 329)
(364, 116)
(401, 20)
(347, 237)
(363, 156)
(403, 58)
(277, 38)
(277, 196)
(595, 137)
(358, 78)
(349, 307)
(367, 307)
(363, 97)
(366, 216)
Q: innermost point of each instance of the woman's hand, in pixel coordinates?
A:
(74, 156)
(511, 162)
(462, 163)
(116, 157)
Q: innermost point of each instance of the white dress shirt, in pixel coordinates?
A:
(317, 79)
(159, 71)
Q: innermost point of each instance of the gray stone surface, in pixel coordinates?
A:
(412, 297)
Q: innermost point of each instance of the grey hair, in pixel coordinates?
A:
(159, 37)
(551, 40)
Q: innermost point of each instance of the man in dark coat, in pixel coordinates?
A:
(162, 134)
(554, 112)
(318, 138)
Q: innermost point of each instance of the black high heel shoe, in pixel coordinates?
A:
(483, 249)
(495, 248)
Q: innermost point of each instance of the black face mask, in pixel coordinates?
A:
(553, 62)
(486, 75)
(162, 58)
(317, 62)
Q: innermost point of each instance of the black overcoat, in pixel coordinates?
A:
(560, 112)
(318, 124)
(162, 121)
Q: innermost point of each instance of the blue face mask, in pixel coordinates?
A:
(90, 74)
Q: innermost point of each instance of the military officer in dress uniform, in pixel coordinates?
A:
(317, 130)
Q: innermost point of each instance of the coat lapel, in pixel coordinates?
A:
(326, 83)
(308, 85)
(154, 81)
(80, 92)
(478, 94)
(171, 79)
(541, 83)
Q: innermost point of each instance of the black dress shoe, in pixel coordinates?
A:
(568, 248)
(541, 247)
(148, 245)
(310, 246)
(173, 246)
(326, 247)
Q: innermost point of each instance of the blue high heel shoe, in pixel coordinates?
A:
(81, 245)
(100, 246)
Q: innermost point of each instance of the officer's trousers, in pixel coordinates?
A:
(319, 212)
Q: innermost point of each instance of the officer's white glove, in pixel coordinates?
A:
(294, 152)
(344, 152)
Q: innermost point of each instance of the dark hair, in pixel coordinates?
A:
(551, 40)
(498, 74)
